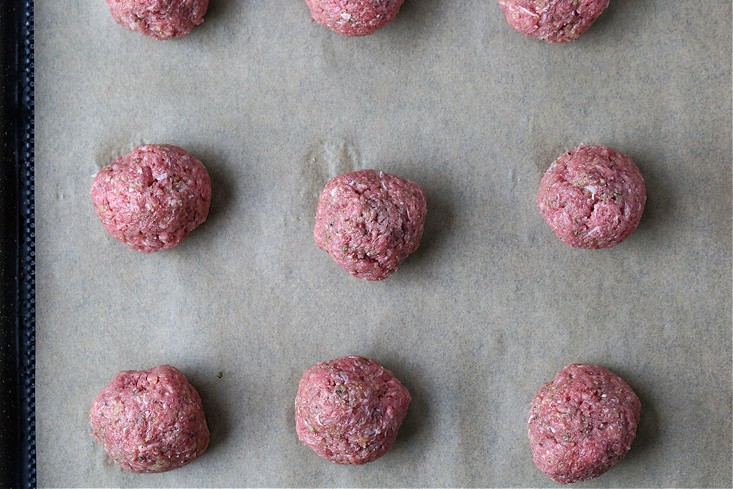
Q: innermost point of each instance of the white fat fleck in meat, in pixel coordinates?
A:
(528, 11)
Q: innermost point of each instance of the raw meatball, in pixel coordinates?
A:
(582, 423)
(161, 19)
(553, 20)
(349, 410)
(369, 222)
(152, 197)
(150, 421)
(592, 197)
(354, 17)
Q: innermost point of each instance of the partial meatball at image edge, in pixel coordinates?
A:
(369, 222)
(592, 197)
(349, 410)
(354, 18)
(152, 197)
(582, 423)
(150, 421)
(559, 21)
(159, 19)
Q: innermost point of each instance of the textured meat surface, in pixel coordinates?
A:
(354, 17)
(160, 19)
(592, 197)
(553, 20)
(152, 197)
(150, 421)
(349, 410)
(369, 222)
(582, 423)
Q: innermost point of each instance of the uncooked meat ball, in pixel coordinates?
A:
(354, 17)
(553, 20)
(349, 410)
(152, 197)
(582, 423)
(150, 421)
(592, 197)
(370, 222)
(160, 19)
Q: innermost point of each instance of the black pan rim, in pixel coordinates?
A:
(17, 247)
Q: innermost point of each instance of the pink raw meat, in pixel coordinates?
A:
(592, 197)
(349, 410)
(150, 421)
(160, 19)
(152, 197)
(553, 20)
(354, 17)
(369, 222)
(582, 423)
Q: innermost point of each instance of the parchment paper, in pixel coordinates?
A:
(492, 304)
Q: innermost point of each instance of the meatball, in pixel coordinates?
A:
(354, 17)
(152, 197)
(349, 410)
(582, 423)
(592, 197)
(150, 421)
(370, 222)
(160, 19)
(552, 20)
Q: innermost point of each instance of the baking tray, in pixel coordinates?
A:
(17, 311)
(488, 308)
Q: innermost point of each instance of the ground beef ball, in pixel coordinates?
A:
(582, 423)
(349, 410)
(553, 20)
(354, 17)
(152, 197)
(592, 197)
(369, 222)
(161, 19)
(150, 421)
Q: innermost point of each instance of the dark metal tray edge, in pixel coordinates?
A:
(17, 248)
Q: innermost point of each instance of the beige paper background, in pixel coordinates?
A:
(488, 308)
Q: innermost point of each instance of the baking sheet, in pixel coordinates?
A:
(488, 308)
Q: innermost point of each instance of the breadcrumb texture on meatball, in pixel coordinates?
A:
(553, 21)
(354, 17)
(150, 421)
(159, 19)
(370, 222)
(349, 410)
(592, 197)
(153, 197)
(582, 423)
